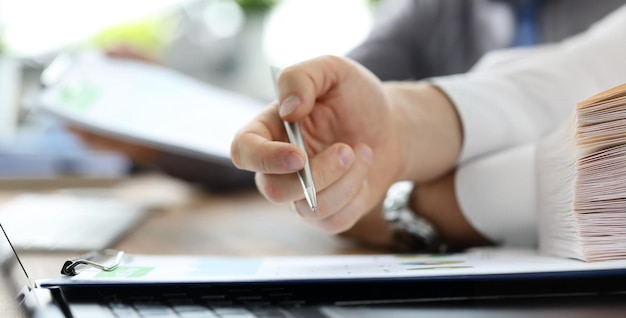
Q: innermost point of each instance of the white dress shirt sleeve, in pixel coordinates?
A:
(498, 195)
(522, 99)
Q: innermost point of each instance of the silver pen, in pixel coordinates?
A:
(295, 137)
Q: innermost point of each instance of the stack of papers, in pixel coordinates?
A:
(582, 173)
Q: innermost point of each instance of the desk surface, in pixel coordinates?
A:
(244, 223)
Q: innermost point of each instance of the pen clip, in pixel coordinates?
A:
(70, 266)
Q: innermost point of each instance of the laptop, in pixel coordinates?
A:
(75, 222)
(545, 294)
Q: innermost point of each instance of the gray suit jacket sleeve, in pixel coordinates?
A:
(421, 38)
(417, 39)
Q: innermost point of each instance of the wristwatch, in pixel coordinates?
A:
(411, 232)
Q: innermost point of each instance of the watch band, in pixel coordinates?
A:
(411, 232)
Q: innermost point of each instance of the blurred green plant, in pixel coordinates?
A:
(256, 5)
(150, 35)
(263, 5)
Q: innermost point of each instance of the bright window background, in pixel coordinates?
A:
(300, 29)
(293, 30)
(33, 27)
(217, 41)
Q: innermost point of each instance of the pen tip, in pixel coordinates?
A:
(311, 198)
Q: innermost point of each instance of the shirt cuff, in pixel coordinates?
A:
(497, 195)
(493, 119)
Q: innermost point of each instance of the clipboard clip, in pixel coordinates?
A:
(69, 268)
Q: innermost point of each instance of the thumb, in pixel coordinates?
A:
(301, 85)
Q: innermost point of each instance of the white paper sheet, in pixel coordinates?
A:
(149, 104)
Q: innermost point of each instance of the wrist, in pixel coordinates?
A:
(436, 202)
(426, 123)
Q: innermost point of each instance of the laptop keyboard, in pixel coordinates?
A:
(194, 311)
(266, 303)
(188, 308)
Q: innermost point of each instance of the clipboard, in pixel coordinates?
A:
(482, 272)
(308, 297)
(143, 103)
(339, 279)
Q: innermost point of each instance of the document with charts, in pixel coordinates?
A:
(146, 104)
(484, 262)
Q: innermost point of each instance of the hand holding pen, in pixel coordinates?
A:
(341, 111)
(295, 137)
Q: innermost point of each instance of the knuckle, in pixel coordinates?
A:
(331, 59)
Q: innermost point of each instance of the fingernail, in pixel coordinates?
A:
(293, 162)
(289, 105)
(346, 157)
(365, 153)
